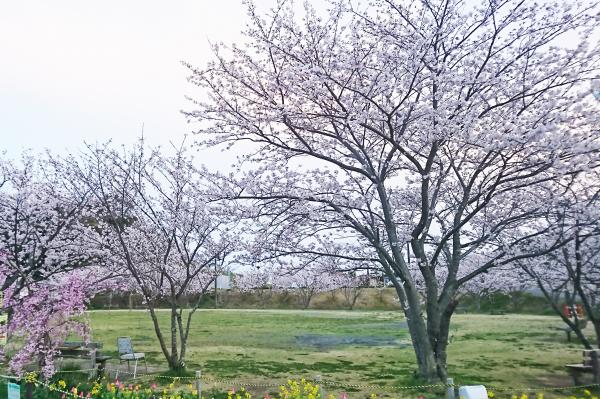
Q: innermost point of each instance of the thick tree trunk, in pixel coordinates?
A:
(424, 351)
(429, 334)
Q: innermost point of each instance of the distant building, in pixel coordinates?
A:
(224, 282)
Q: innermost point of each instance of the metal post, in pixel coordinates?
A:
(319, 382)
(28, 390)
(93, 363)
(199, 383)
(450, 388)
(216, 282)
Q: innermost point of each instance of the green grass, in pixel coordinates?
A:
(253, 345)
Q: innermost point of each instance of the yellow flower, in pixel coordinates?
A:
(96, 389)
(587, 392)
(490, 394)
(31, 378)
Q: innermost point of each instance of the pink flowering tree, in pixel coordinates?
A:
(434, 125)
(45, 314)
(50, 255)
(163, 234)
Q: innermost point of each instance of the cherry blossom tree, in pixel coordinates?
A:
(350, 284)
(164, 236)
(433, 125)
(305, 282)
(260, 281)
(46, 224)
(573, 269)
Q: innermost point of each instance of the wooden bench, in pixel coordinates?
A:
(590, 365)
(82, 350)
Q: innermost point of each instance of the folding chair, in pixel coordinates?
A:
(127, 354)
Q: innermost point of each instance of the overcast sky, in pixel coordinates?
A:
(80, 70)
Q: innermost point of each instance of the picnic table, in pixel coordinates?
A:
(83, 350)
(590, 364)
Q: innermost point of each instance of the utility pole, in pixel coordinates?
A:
(216, 281)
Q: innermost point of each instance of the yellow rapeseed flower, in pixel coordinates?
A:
(31, 378)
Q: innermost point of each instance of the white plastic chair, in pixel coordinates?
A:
(127, 354)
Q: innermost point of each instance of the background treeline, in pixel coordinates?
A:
(370, 299)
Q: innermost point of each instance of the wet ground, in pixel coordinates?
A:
(324, 342)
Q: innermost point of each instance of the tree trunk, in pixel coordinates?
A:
(597, 331)
(429, 334)
(159, 335)
(426, 361)
(174, 359)
(441, 340)
(175, 363)
(411, 305)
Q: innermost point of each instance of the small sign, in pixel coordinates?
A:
(473, 392)
(14, 391)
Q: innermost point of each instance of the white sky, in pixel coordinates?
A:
(75, 70)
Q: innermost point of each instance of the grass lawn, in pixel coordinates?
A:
(257, 345)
